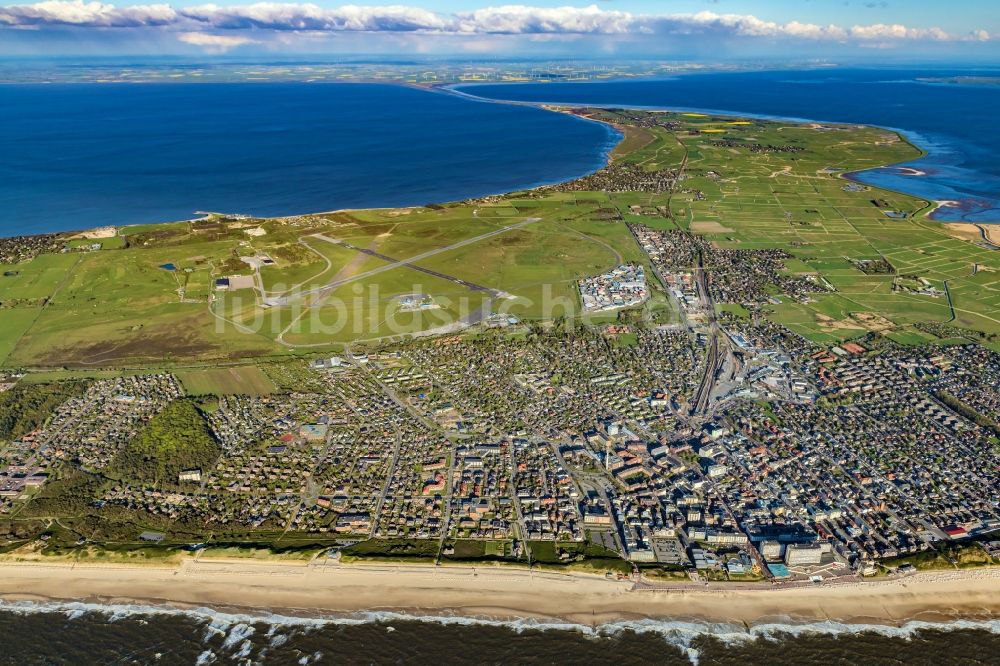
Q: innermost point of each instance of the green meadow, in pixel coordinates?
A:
(241, 380)
(119, 307)
(799, 201)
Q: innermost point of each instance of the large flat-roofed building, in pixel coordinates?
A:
(726, 537)
(782, 534)
(189, 475)
(770, 550)
(803, 554)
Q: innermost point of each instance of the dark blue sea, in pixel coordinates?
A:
(81, 633)
(75, 156)
(957, 124)
(80, 155)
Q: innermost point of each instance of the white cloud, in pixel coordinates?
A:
(521, 19)
(214, 43)
(209, 20)
(812, 31)
(87, 14)
(881, 31)
(281, 16)
(745, 25)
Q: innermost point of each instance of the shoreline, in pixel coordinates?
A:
(603, 159)
(976, 232)
(333, 592)
(907, 136)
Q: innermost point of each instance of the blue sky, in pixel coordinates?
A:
(872, 30)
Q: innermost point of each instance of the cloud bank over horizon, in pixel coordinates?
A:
(277, 26)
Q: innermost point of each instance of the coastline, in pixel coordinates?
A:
(976, 232)
(504, 593)
(614, 136)
(605, 155)
(598, 160)
(931, 206)
(497, 594)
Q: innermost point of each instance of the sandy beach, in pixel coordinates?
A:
(974, 232)
(990, 232)
(499, 593)
(910, 171)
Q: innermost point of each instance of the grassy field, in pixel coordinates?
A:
(393, 550)
(243, 380)
(799, 201)
(36, 279)
(584, 556)
(14, 323)
(122, 306)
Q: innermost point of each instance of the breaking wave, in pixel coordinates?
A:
(235, 629)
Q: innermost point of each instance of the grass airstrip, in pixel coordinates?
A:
(309, 284)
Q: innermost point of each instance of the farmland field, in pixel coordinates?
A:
(795, 198)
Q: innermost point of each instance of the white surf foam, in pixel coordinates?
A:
(236, 628)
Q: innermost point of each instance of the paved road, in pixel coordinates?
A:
(409, 263)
